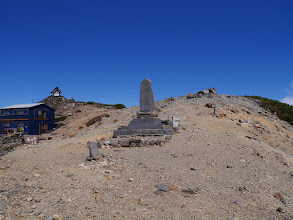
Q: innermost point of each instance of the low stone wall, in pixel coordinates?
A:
(134, 141)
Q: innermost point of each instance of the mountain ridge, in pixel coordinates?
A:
(235, 164)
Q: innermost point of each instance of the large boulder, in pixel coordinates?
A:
(190, 95)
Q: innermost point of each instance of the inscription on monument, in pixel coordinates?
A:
(147, 98)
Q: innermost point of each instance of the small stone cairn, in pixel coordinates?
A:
(204, 93)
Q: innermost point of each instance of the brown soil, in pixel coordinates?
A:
(228, 166)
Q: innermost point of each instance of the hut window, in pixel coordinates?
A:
(7, 125)
(23, 112)
(42, 114)
(1, 112)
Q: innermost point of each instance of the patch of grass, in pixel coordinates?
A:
(62, 118)
(282, 110)
(8, 148)
(117, 106)
(77, 111)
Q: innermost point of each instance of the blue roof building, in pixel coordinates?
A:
(32, 119)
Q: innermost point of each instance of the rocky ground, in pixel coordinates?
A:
(236, 164)
(8, 143)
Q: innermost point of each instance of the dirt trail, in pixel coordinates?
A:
(225, 167)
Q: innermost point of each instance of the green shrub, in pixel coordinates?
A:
(282, 110)
(77, 111)
(119, 106)
(62, 118)
(8, 148)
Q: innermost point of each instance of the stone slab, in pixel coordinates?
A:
(93, 148)
(145, 123)
(176, 122)
(143, 132)
(31, 139)
(146, 114)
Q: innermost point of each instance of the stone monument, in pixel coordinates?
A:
(147, 122)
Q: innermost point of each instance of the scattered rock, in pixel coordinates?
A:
(31, 184)
(190, 96)
(221, 116)
(280, 210)
(163, 187)
(207, 92)
(124, 142)
(241, 189)
(209, 105)
(114, 143)
(238, 202)
(140, 201)
(96, 119)
(29, 199)
(190, 191)
(278, 196)
(157, 192)
(37, 212)
(88, 158)
(55, 217)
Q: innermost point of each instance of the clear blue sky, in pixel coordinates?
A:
(101, 50)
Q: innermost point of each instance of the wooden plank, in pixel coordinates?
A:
(25, 119)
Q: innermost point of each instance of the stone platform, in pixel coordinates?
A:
(142, 132)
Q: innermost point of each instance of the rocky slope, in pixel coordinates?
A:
(232, 165)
